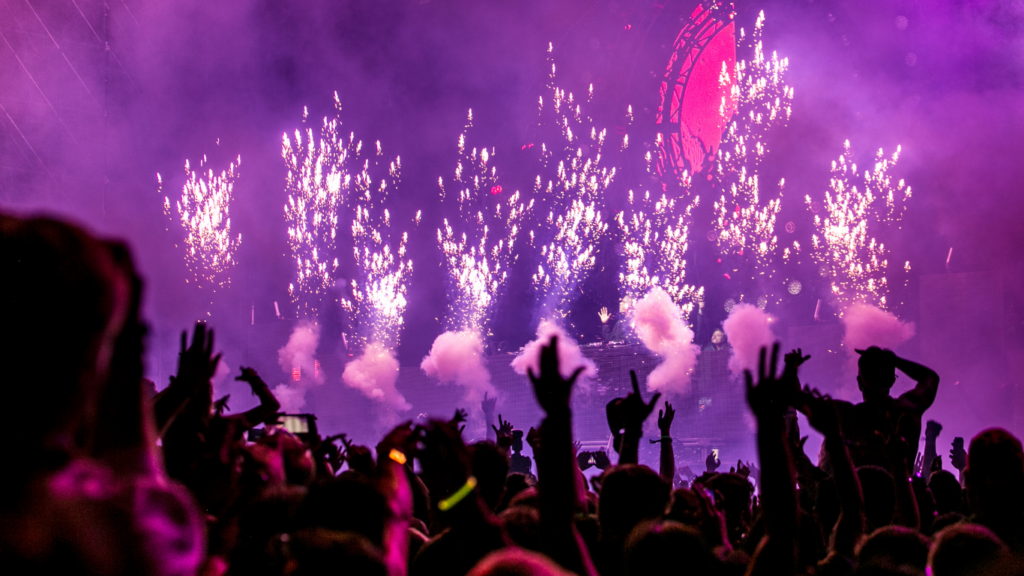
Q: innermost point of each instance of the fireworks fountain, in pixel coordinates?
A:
(849, 255)
(318, 182)
(570, 189)
(478, 248)
(377, 301)
(204, 213)
(758, 100)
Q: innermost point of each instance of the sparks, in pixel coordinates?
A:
(204, 213)
(848, 254)
(479, 244)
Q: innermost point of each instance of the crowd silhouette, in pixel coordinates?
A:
(107, 476)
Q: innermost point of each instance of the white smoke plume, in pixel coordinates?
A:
(298, 358)
(867, 326)
(659, 325)
(374, 374)
(458, 357)
(570, 357)
(748, 329)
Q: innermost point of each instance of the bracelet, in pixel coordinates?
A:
(460, 494)
(662, 439)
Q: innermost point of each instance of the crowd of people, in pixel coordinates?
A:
(110, 477)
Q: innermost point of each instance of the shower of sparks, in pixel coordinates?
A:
(378, 297)
(317, 183)
(848, 254)
(655, 240)
(478, 258)
(571, 190)
(744, 216)
(203, 211)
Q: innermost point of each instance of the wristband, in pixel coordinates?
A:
(397, 456)
(460, 494)
(662, 439)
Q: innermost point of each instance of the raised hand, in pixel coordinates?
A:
(932, 429)
(459, 417)
(821, 412)
(196, 362)
(583, 460)
(601, 460)
(503, 429)
(742, 469)
(533, 440)
(957, 454)
(633, 408)
(769, 398)
(712, 462)
(221, 406)
(488, 405)
(795, 358)
(551, 389)
(936, 465)
(665, 418)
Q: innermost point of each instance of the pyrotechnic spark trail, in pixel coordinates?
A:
(318, 183)
(478, 258)
(573, 195)
(848, 254)
(655, 240)
(203, 211)
(744, 221)
(378, 299)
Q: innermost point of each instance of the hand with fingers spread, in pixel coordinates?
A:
(769, 398)
(551, 389)
(821, 412)
(601, 460)
(196, 362)
(503, 429)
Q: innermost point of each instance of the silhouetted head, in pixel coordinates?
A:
(876, 372)
(630, 494)
(994, 477)
(490, 468)
(879, 495)
(667, 548)
(894, 547)
(966, 550)
(516, 562)
(350, 503)
(736, 493)
(321, 552)
(946, 490)
(65, 299)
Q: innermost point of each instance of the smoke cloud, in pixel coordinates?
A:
(374, 374)
(458, 357)
(570, 357)
(867, 326)
(660, 326)
(298, 358)
(748, 329)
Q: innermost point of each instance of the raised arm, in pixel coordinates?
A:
(923, 394)
(392, 454)
(667, 468)
(778, 550)
(268, 407)
(557, 486)
(821, 413)
(487, 406)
